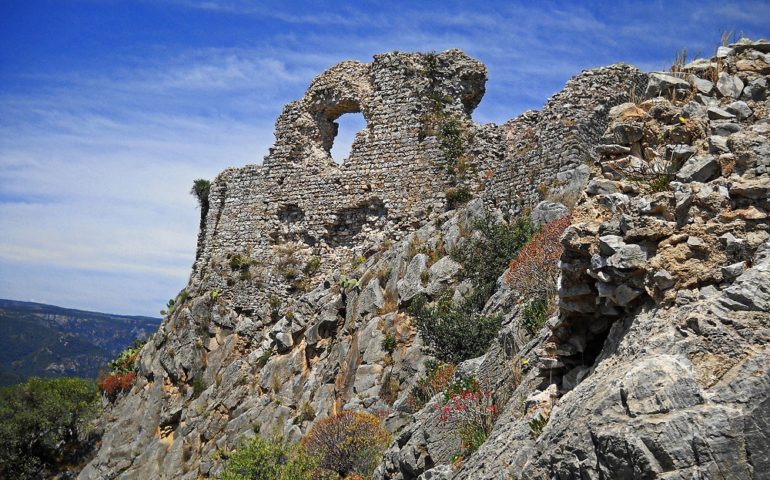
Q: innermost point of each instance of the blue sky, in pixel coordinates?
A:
(109, 109)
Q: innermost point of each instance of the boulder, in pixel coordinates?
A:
(740, 109)
(704, 86)
(371, 298)
(729, 85)
(698, 169)
(411, 284)
(715, 113)
(661, 84)
(441, 274)
(546, 212)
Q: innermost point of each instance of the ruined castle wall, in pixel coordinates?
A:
(300, 205)
(301, 200)
(548, 152)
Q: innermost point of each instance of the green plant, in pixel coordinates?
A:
(348, 443)
(486, 256)
(44, 426)
(125, 362)
(240, 262)
(312, 266)
(348, 283)
(457, 196)
(260, 459)
(389, 343)
(538, 423)
(200, 190)
(424, 276)
(198, 386)
(182, 297)
(169, 310)
(263, 359)
(453, 333)
(534, 314)
(215, 293)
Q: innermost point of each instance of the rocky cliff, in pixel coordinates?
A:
(655, 364)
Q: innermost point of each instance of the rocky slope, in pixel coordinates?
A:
(655, 366)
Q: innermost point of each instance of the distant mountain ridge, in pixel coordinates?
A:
(49, 341)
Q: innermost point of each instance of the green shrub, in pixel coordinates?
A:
(198, 387)
(485, 257)
(450, 137)
(44, 426)
(457, 196)
(170, 307)
(453, 333)
(240, 262)
(535, 314)
(200, 190)
(312, 266)
(538, 423)
(389, 343)
(260, 459)
(265, 357)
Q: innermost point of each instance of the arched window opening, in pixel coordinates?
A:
(348, 125)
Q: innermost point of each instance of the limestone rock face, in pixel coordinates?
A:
(655, 364)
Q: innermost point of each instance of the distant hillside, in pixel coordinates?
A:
(48, 341)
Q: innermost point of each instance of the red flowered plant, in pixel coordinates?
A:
(471, 409)
(438, 376)
(115, 383)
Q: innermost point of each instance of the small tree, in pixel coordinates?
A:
(44, 426)
(453, 333)
(348, 443)
(200, 190)
(486, 256)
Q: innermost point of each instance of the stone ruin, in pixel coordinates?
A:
(419, 145)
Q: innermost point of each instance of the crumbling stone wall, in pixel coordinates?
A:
(393, 181)
(548, 152)
(301, 204)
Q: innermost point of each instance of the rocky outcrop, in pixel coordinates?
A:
(655, 366)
